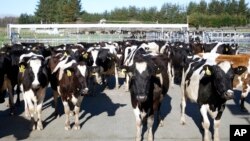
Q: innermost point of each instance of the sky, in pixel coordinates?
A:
(17, 7)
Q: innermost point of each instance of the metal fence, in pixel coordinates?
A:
(72, 33)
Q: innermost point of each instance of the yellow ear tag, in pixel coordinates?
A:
(85, 55)
(123, 71)
(226, 49)
(22, 68)
(69, 73)
(208, 72)
(65, 54)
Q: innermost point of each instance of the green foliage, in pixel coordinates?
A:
(60, 11)
(216, 13)
(26, 19)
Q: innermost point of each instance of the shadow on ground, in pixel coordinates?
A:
(15, 125)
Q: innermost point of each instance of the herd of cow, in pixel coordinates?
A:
(207, 74)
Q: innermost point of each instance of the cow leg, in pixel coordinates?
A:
(159, 116)
(127, 83)
(150, 127)
(183, 108)
(205, 122)
(138, 124)
(31, 110)
(39, 116)
(55, 95)
(26, 107)
(2, 96)
(216, 130)
(67, 112)
(41, 96)
(11, 99)
(242, 101)
(77, 125)
(18, 103)
(116, 78)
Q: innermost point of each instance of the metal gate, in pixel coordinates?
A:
(73, 33)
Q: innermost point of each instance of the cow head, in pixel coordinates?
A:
(100, 60)
(221, 77)
(230, 49)
(76, 76)
(33, 67)
(141, 73)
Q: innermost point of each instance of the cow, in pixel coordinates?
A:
(33, 78)
(102, 62)
(148, 85)
(220, 47)
(71, 85)
(241, 81)
(210, 84)
(5, 83)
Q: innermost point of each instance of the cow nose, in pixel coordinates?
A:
(229, 94)
(141, 98)
(94, 69)
(35, 85)
(84, 91)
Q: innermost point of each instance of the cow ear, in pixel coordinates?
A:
(24, 59)
(208, 70)
(69, 72)
(158, 70)
(22, 67)
(240, 70)
(126, 69)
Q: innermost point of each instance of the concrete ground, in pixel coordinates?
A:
(108, 116)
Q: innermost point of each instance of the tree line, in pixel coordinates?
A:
(216, 13)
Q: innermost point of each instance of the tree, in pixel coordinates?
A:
(202, 7)
(242, 10)
(49, 11)
(192, 8)
(215, 7)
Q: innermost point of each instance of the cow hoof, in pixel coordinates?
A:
(183, 121)
(71, 113)
(137, 139)
(12, 113)
(76, 127)
(40, 127)
(67, 128)
(161, 124)
(34, 127)
(150, 139)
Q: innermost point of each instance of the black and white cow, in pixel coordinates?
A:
(210, 84)
(102, 62)
(148, 85)
(71, 85)
(33, 78)
(220, 47)
(5, 83)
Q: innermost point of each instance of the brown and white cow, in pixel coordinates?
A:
(71, 86)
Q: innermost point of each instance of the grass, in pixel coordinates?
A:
(3, 35)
